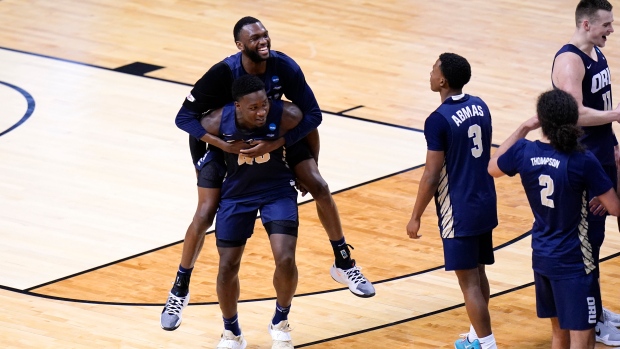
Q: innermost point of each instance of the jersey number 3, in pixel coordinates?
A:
(475, 132)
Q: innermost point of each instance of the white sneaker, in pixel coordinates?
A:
(281, 335)
(611, 317)
(607, 334)
(230, 341)
(170, 318)
(354, 279)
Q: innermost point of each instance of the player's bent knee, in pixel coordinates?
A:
(319, 190)
(203, 219)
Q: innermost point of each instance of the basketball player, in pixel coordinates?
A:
(557, 174)
(581, 69)
(282, 76)
(458, 137)
(264, 183)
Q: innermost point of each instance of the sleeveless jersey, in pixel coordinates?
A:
(251, 177)
(596, 91)
(556, 186)
(465, 200)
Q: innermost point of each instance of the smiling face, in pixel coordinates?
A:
(252, 109)
(254, 42)
(599, 27)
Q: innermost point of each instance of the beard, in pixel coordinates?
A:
(254, 56)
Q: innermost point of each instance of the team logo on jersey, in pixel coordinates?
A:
(191, 98)
(275, 79)
(272, 127)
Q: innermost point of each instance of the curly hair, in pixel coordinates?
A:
(245, 85)
(558, 114)
(455, 69)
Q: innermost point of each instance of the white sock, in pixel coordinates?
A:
(488, 342)
(471, 336)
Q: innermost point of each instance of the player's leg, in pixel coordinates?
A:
(235, 224)
(281, 221)
(467, 257)
(560, 339)
(228, 290)
(228, 286)
(578, 303)
(475, 303)
(283, 240)
(344, 269)
(210, 173)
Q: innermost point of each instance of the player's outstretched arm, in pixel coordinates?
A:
(611, 202)
(522, 131)
(426, 190)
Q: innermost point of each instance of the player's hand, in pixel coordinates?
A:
(413, 227)
(300, 186)
(532, 123)
(260, 148)
(236, 147)
(596, 207)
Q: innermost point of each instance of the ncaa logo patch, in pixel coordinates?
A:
(272, 127)
(275, 79)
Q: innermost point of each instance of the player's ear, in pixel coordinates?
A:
(239, 45)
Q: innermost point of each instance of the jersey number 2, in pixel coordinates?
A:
(475, 132)
(547, 183)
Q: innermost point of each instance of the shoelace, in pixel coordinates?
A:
(354, 274)
(174, 305)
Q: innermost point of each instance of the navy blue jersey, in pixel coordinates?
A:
(555, 184)
(248, 177)
(596, 91)
(283, 77)
(465, 200)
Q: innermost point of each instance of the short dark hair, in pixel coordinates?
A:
(245, 85)
(589, 8)
(558, 114)
(242, 23)
(455, 69)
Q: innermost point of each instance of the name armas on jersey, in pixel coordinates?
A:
(467, 112)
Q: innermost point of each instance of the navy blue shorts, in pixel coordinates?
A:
(235, 219)
(211, 168)
(576, 302)
(463, 253)
(298, 152)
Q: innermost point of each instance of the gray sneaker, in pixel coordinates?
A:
(611, 317)
(607, 334)
(354, 279)
(171, 315)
